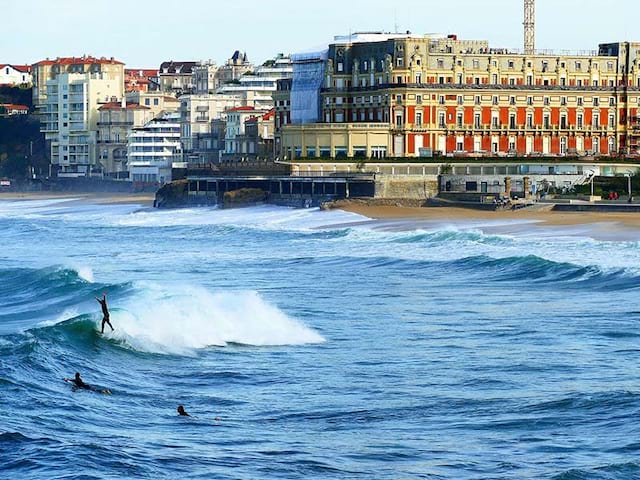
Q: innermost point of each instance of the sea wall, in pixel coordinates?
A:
(404, 187)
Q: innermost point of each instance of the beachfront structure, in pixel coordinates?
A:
(405, 95)
(15, 74)
(117, 120)
(152, 149)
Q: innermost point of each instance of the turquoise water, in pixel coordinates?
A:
(309, 344)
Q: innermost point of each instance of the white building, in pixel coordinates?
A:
(236, 118)
(257, 88)
(15, 74)
(152, 149)
(70, 118)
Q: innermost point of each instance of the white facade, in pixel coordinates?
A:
(236, 119)
(10, 75)
(196, 113)
(152, 149)
(257, 87)
(71, 116)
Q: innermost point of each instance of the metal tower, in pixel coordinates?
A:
(529, 27)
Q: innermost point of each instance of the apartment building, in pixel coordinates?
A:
(117, 120)
(156, 101)
(152, 149)
(176, 78)
(237, 139)
(141, 80)
(421, 94)
(45, 70)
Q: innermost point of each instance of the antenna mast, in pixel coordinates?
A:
(529, 27)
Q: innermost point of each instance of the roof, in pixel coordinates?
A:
(180, 68)
(269, 115)
(118, 106)
(86, 60)
(14, 106)
(141, 72)
(244, 109)
(19, 68)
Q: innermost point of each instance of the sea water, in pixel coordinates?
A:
(310, 344)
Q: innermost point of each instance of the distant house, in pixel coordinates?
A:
(15, 74)
(176, 77)
(13, 109)
(141, 80)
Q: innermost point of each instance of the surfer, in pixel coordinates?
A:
(105, 311)
(79, 383)
(182, 412)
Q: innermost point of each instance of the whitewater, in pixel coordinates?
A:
(313, 344)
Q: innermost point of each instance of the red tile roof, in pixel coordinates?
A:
(243, 109)
(79, 61)
(14, 106)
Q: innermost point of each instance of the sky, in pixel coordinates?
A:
(143, 34)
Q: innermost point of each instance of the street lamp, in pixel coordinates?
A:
(628, 175)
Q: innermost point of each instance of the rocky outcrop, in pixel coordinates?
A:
(172, 195)
(243, 197)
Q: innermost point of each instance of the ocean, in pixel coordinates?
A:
(312, 344)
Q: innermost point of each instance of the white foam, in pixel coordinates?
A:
(184, 319)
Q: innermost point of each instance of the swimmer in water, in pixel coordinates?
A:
(79, 383)
(182, 412)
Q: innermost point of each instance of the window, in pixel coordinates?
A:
(494, 100)
(494, 78)
(147, 101)
(495, 121)
(418, 98)
(512, 121)
(529, 120)
(477, 100)
(578, 66)
(529, 79)
(563, 145)
(340, 67)
(441, 123)
(476, 120)
(563, 101)
(399, 62)
(460, 102)
(511, 64)
(563, 81)
(529, 100)
(546, 121)
(512, 81)
(440, 63)
(547, 101)
(579, 120)
(612, 101)
(545, 65)
(512, 100)
(596, 102)
(610, 66)
(459, 118)
(459, 78)
(612, 120)
(418, 118)
(441, 99)
(476, 64)
(563, 121)
(580, 101)
(596, 120)
(156, 102)
(418, 78)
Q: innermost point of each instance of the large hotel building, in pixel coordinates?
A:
(402, 95)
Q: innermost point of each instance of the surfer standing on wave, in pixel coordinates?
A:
(105, 311)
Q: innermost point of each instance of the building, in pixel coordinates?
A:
(205, 77)
(196, 114)
(117, 120)
(176, 78)
(158, 102)
(257, 87)
(239, 141)
(141, 80)
(234, 68)
(15, 74)
(74, 91)
(419, 95)
(9, 109)
(152, 149)
(45, 70)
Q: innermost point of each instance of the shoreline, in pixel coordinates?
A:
(538, 217)
(105, 198)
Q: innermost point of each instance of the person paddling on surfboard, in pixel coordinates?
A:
(105, 311)
(79, 383)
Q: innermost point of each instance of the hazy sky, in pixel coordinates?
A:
(144, 33)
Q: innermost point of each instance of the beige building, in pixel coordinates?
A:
(117, 120)
(157, 102)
